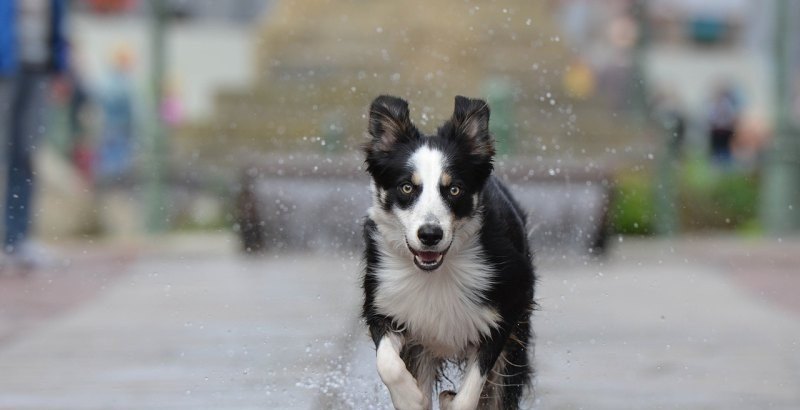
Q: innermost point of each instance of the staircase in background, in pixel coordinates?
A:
(321, 62)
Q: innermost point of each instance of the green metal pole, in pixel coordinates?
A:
(156, 204)
(781, 185)
(666, 215)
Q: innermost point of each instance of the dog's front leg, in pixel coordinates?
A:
(402, 386)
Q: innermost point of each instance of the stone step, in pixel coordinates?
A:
(320, 64)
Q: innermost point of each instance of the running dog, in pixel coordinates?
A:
(449, 275)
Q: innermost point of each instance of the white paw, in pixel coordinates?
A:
(446, 399)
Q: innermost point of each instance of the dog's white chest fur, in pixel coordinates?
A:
(441, 310)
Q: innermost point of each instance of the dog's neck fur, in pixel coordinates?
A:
(442, 310)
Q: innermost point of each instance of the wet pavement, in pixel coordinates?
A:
(188, 323)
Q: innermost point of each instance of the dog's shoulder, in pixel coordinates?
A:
(505, 218)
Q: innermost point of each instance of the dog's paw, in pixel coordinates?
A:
(446, 399)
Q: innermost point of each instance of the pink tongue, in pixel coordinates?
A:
(428, 256)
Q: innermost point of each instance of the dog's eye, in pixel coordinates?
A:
(455, 191)
(406, 188)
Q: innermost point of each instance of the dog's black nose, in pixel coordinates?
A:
(430, 234)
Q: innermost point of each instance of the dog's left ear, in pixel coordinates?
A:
(471, 122)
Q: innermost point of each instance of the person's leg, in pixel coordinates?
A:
(26, 126)
(6, 93)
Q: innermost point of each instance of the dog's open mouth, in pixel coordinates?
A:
(427, 260)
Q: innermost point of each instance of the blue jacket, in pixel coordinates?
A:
(9, 49)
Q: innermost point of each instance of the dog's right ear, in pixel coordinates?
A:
(389, 123)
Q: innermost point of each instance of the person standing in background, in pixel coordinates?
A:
(115, 151)
(723, 117)
(33, 57)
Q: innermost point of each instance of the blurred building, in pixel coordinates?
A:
(202, 34)
(696, 46)
(690, 49)
(240, 11)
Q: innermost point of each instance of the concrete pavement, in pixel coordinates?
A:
(188, 329)
(189, 324)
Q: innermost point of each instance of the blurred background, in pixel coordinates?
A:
(183, 194)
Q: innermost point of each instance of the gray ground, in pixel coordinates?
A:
(693, 324)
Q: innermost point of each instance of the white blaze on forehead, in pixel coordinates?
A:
(428, 165)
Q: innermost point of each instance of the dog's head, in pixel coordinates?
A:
(429, 184)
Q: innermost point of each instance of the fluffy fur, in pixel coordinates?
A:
(449, 274)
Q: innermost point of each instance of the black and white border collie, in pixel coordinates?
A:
(449, 275)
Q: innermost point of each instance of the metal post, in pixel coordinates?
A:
(638, 91)
(666, 215)
(779, 209)
(156, 204)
